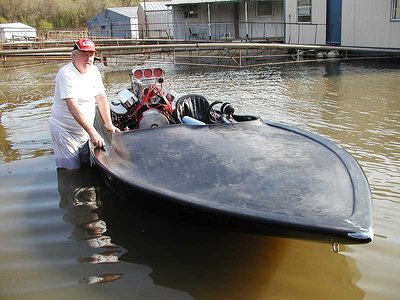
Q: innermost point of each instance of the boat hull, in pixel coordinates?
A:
(250, 176)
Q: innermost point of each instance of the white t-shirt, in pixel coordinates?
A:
(70, 83)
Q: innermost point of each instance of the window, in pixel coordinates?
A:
(264, 8)
(191, 11)
(304, 11)
(395, 9)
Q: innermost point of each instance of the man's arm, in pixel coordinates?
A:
(94, 136)
(104, 108)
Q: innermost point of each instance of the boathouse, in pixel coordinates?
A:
(115, 22)
(228, 19)
(351, 23)
(10, 32)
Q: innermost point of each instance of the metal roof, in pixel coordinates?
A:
(155, 6)
(130, 11)
(182, 2)
(16, 26)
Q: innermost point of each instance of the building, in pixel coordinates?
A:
(224, 19)
(115, 22)
(148, 20)
(353, 23)
(10, 32)
(371, 23)
(228, 19)
(155, 20)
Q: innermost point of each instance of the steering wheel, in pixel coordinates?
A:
(213, 116)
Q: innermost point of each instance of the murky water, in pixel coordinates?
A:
(66, 236)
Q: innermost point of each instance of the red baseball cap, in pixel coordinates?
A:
(85, 45)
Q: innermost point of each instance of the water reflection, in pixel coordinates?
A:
(357, 105)
(209, 263)
(7, 154)
(79, 196)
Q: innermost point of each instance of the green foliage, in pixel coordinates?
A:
(47, 14)
(44, 24)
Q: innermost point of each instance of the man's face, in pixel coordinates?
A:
(83, 60)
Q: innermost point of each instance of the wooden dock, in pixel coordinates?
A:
(225, 54)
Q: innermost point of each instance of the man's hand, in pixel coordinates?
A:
(94, 136)
(111, 128)
(96, 139)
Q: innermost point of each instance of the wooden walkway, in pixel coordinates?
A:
(231, 54)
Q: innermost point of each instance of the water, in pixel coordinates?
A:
(66, 236)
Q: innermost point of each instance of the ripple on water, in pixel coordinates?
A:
(47, 251)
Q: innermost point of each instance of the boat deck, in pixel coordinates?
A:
(270, 174)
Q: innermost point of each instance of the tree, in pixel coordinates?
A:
(66, 14)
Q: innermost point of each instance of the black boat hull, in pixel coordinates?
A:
(255, 177)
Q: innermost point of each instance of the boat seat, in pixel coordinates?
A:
(194, 106)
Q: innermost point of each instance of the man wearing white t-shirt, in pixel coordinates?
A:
(79, 87)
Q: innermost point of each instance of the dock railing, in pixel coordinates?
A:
(188, 42)
(303, 33)
(296, 33)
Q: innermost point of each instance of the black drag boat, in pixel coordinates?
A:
(203, 159)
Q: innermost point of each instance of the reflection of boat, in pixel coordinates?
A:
(254, 176)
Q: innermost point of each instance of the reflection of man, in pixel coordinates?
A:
(77, 188)
(79, 196)
(79, 87)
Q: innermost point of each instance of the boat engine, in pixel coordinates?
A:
(144, 105)
(152, 118)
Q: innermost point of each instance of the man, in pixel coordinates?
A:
(79, 87)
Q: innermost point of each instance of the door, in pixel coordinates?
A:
(333, 21)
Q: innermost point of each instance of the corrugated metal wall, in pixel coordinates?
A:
(228, 21)
(159, 20)
(111, 24)
(306, 33)
(366, 23)
(264, 26)
(16, 31)
(197, 28)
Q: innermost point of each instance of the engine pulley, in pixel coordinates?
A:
(152, 118)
